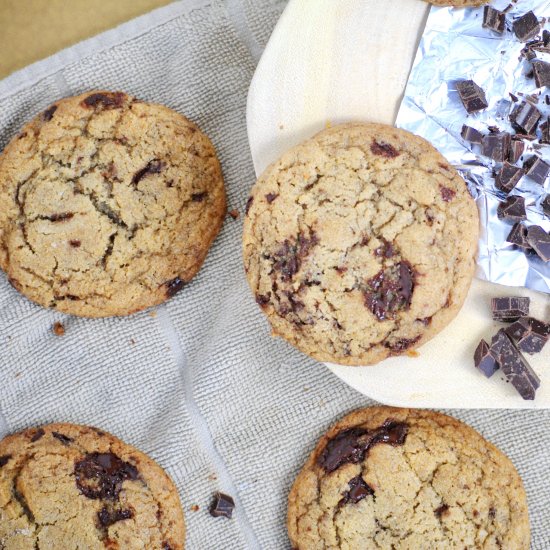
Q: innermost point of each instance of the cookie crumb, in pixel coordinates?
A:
(58, 329)
(195, 508)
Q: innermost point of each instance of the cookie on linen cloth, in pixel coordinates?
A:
(108, 205)
(385, 478)
(360, 243)
(74, 487)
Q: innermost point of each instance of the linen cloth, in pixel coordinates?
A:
(198, 383)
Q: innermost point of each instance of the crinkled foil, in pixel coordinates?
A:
(454, 47)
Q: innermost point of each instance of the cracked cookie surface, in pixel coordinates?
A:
(109, 204)
(76, 487)
(360, 243)
(402, 479)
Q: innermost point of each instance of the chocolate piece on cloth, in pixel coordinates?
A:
(518, 236)
(526, 27)
(541, 72)
(484, 360)
(472, 96)
(496, 146)
(536, 169)
(508, 177)
(539, 240)
(471, 134)
(525, 118)
(222, 506)
(513, 208)
(510, 308)
(514, 366)
(529, 334)
(493, 19)
(516, 150)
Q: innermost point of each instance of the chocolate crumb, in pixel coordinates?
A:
(58, 329)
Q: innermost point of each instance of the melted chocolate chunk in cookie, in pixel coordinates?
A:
(38, 434)
(47, 115)
(358, 490)
(105, 100)
(174, 286)
(390, 291)
(65, 439)
(100, 475)
(384, 150)
(288, 258)
(4, 460)
(353, 445)
(153, 167)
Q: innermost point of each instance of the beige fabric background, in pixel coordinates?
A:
(199, 385)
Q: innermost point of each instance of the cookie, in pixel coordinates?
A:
(458, 3)
(385, 478)
(108, 204)
(360, 243)
(76, 487)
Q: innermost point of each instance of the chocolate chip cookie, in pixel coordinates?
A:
(108, 205)
(360, 243)
(385, 478)
(76, 487)
(458, 3)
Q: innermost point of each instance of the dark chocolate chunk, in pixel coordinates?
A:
(518, 236)
(493, 19)
(512, 208)
(174, 286)
(545, 131)
(75, 243)
(358, 490)
(440, 511)
(353, 445)
(471, 134)
(38, 434)
(536, 169)
(107, 100)
(270, 197)
(472, 96)
(545, 205)
(484, 360)
(384, 149)
(514, 366)
(526, 27)
(222, 506)
(541, 72)
(447, 194)
(47, 115)
(496, 146)
(402, 344)
(525, 118)
(529, 334)
(539, 240)
(386, 250)
(60, 217)
(4, 460)
(65, 439)
(288, 259)
(390, 291)
(248, 204)
(198, 197)
(100, 475)
(508, 177)
(510, 308)
(110, 514)
(516, 150)
(166, 546)
(152, 167)
(263, 299)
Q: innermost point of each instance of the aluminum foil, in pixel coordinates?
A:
(454, 47)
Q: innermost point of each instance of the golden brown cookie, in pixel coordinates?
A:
(360, 243)
(74, 487)
(385, 478)
(458, 3)
(108, 204)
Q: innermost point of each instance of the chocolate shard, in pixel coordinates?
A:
(545, 205)
(512, 208)
(496, 146)
(510, 308)
(493, 19)
(536, 169)
(529, 334)
(508, 177)
(545, 131)
(352, 445)
(516, 150)
(471, 134)
(484, 360)
(222, 506)
(526, 27)
(541, 72)
(518, 236)
(472, 96)
(358, 490)
(539, 240)
(514, 366)
(525, 118)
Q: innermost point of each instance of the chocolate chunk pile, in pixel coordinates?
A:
(524, 334)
